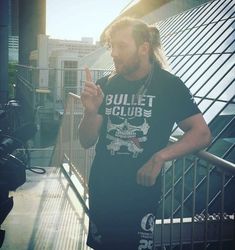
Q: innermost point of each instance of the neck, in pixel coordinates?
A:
(140, 73)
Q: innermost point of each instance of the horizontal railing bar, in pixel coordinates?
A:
(212, 159)
(49, 68)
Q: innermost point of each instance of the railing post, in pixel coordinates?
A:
(193, 201)
(206, 205)
(221, 210)
(172, 201)
(182, 203)
(71, 123)
(163, 205)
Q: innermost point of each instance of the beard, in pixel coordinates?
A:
(128, 66)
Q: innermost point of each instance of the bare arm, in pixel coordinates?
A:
(89, 129)
(90, 125)
(196, 136)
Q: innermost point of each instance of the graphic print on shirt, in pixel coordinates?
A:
(127, 125)
(146, 233)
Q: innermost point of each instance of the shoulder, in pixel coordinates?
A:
(167, 77)
(102, 81)
(168, 81)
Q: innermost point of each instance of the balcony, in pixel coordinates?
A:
(197, 206)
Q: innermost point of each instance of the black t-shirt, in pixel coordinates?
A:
(137, 126)
(134, 128)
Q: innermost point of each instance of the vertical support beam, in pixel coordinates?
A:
(4, 29)
(32, 20)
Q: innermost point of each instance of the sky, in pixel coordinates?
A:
(74, 19)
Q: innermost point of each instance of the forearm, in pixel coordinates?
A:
(89, 129)
(191, 141)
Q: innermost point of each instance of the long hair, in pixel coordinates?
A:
(141, 32)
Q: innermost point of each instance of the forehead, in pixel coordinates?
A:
(122, 35)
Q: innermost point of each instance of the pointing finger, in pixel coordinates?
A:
(88, 74)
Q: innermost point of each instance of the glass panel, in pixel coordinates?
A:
(229, 110)
(222, 38)
(167, 44)
(213, 111)
(175, 61)
(205, 9)
(187, 65)
(231, 48)
(186, 21)
(231, 12)
(190, 41)
(220, 12)
(226, 139)
(172, 63)
(179, 22)
(229, 132)
(219, 123)
(180, 41)
(203, 105)
(168, 24)
(229, 93)
(209, 36)
(206, 15)
(220, 147)
(225, 72)
(191, 75)
(231, 156)
(220, 88)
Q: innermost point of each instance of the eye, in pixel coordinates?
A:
(119, 46)
(116, 119)
(136, 121)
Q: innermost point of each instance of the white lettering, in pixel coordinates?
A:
(133, 100)
(125, 100)
(116, 111)
(118, 99)
(122, 113)
(109, 99)
(126, 111)
(145, 244)
(138, 112)
(141, 100)
(150, 101)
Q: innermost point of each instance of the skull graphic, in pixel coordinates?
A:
(127, 133)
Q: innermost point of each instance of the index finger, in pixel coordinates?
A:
(88, 74)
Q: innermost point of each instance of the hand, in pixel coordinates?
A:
(92, 96)
(147, 175)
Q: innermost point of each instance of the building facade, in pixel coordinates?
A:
(57, 63)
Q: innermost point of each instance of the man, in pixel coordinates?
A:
(131, 114)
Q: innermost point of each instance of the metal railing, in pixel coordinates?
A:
(196, 209)
(56, 82)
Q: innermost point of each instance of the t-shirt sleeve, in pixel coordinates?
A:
(184, 104)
